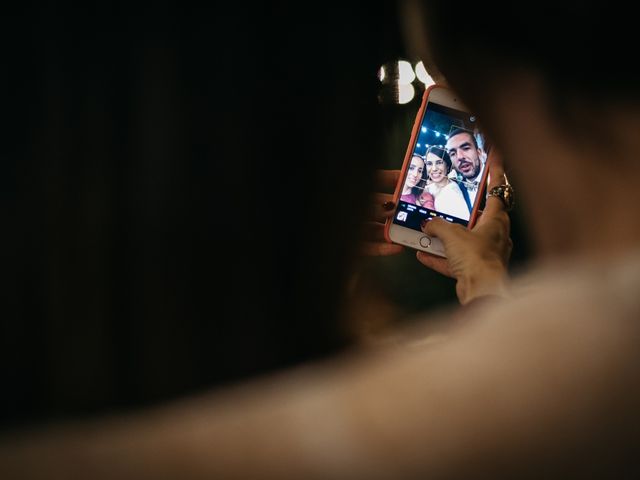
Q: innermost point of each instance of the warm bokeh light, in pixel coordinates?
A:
(398, 80)
(406, 75)
(405, 93)
(422, 74)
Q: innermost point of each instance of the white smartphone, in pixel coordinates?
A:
(444, 171)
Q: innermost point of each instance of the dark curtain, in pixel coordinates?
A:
(180, 192)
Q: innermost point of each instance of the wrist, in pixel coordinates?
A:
(492, 280)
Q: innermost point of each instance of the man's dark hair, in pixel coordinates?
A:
(457, 131)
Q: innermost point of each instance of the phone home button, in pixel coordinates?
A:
(425, 241)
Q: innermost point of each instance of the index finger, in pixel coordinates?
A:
(496, 168)
(445, 231)
(496, 177)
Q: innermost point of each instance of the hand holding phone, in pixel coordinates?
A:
(444, 172)
(477, 258)
(381, 209)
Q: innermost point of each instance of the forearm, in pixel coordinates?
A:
(298, 425)
(385, 416)
(474, 405)
(355, 418)
(489, 279)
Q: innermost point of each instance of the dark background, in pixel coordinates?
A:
(147, 158)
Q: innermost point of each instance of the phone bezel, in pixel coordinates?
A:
(439, 95)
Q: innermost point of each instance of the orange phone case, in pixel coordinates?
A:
(407, 161)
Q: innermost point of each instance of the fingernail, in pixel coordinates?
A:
(388, 205)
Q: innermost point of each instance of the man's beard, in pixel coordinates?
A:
(475, 171)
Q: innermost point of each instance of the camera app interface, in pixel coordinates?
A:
(447, 163)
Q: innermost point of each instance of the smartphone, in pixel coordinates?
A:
(444, 171)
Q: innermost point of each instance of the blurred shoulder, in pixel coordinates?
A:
(575, 312)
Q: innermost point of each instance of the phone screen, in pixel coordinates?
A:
(446, 168)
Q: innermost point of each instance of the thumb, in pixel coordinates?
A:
(443, 230)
